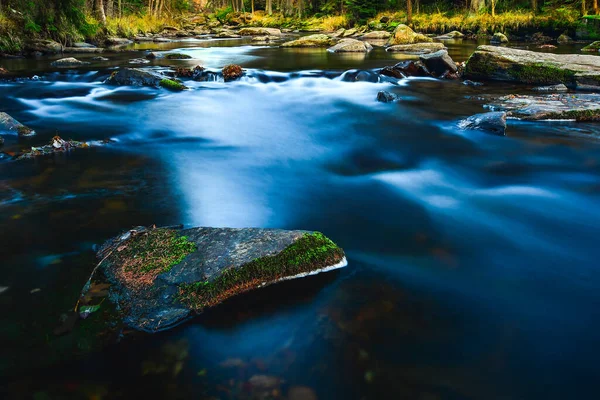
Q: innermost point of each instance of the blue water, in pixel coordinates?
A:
(473, 269)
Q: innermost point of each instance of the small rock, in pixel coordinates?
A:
(83, 45)
(177, 56)
(384, 20)
(232, 72)
(499, 38)
(546, 46)
(451, 35)
(564, 39)
(11, 125)
(349, 32)
(67, 62)
(406, 68)
(117, 41)
(387, 97)
(351, 46)
(438, 63)
(260, 32)
(264, 39)
(405, 35)
(491, 122)
(99, 58)
(552, 88)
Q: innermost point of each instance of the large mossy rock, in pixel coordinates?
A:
(351, 46)
(43, 46)
(142, 77)
(317, 40)
(404, 35)
(260, 32)
(160, 277)
(583, 107)
(417, 48)
(592, 47)
(505, 64)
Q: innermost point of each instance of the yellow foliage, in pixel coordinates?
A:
(132, 25)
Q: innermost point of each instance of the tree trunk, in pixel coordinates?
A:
(408, 11)
(596, 7)
(99, 6)
(270, 7)
(583, 8)
(252, 3)
(493, 8)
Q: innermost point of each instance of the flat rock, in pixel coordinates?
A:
(117, 41)
(504, 64)
(43, 46)
(260, 32)
(83, 45)
(451, 35)
(417, 48)
(376, 35)
(405, 35)
(552, 88)
(350, 46)
(439, 63)
(83, 50)
(490, 122)
(142, 77)
(209, 265)
(68, 63)
(11, 126)
(317, 40)
(584, 107)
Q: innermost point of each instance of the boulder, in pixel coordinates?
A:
(490, 122)
(505, 64)
(68, 63)
(351, 46)
(260, 32)
(387, 97)
(406, 68)
(499, 38)
(265, 39)
(232, 72)
(337, 33)
(592, 47)
(82, 50)
(228, 35)
(580, 107)
(417, 48)
(10, 125)
(438, 63)
(177, 56)
(376, 35)
(404, 35)
(564, 39)
(141, 77)
(117, 41)
(161, 277)
(83, 45)
(317, 40)
(451, 35)
(43, 46)
(349, 32)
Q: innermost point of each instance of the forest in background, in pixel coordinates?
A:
(68, 21)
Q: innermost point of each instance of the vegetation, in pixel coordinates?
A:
(311, 252)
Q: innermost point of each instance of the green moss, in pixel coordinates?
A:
(155, 251)
(479, 66)
(595, 46)
(172, 85)
(177, 56)
(311, 252)
(541, 73)
(589, 115)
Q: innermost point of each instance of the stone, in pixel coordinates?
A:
(583, 107)
(468, 82)
(227, 35)
(349, 32)
(317, 40)
(338, 33)
(576, 71)
(451, 35)
(232, 72)
(43, 46)
(194, 269)
(99, 58)
(499, 38)
(438, 63)
(142, 77)
(404, 35)
(376, 35)
(406, 68)
(10, 125)
(387, 97)
(82, 50)
(490, 122)
(552, 88)
(417, 48)
(117, 41)
(83, 45)
(177, 56)
(592, 47)
(265, 39)
(564, 39)
(260, 32)
(68, 63)
(350, 46)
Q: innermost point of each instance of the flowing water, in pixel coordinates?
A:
(473, 259)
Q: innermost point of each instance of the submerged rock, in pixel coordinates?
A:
(552, 88)
(260, 32)
(56, 145)
(523, 66)
(387, 97)
(439, 63)
(578, 107)
(141, 77)
(161, 277)
(68, 62)
(318, 40)
(351, 46)
(404, 35)
(10, 125)
(490, 122)
(265, 39)
(417, 48)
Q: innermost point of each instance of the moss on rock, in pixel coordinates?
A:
(172, 85)
(541, 73)
(595, 46)
(311, 252)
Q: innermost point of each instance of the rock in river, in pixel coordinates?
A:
(11, 125)
(317, 40)
(142, 77)
(504, 64)
(67, 63)
(387, 97)
(377, 35)
(160, 277)
(499, 38)
(583, 107)
(404, 35)
(439, 63)
(351, 46)
(260, 32)
(417, 48)
(491, 122)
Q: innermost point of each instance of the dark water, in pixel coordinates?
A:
(473, 269)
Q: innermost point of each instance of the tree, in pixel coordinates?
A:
(100, 14)
(408, 11)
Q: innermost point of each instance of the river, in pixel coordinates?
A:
(473, 259)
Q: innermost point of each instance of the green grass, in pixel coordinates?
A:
(311, 252)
